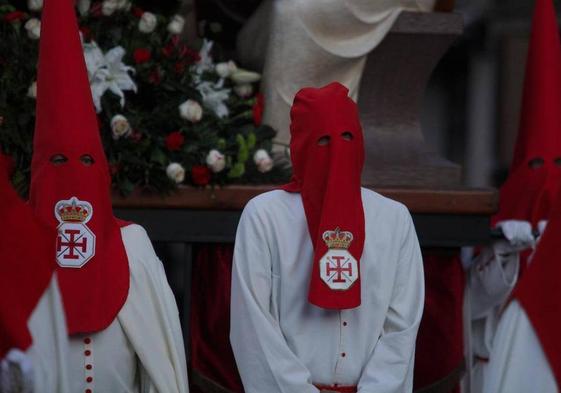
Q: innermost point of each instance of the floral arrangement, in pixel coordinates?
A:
(169, 113)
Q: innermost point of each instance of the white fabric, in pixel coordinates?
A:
(142, 350)
(518, 233)
(492, 277)
(517, 364)
(312, 43)
(41, 368)
(282, 343)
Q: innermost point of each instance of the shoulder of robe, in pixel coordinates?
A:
(139, 248)
(386, 208)
(263, 203)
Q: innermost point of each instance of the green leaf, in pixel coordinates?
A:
(237, 171)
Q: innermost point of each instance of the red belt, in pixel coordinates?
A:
(340, 389)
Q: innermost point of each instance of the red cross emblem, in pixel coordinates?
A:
(338, 269)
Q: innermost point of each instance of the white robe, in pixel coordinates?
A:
(312, 43)
(492, 277)
(142, 350)
(518, 363)
(282, 343)
(43, 364)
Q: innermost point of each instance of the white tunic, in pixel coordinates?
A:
(518, 363)
(282, 343)
(142, 350)
(42, 365)
(313, 43)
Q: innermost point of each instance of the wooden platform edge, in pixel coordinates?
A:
(419, 201)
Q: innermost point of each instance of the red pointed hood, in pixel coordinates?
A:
(539, 292)
(327, 175)
(70, 182)
(528, 192)
(24, 272)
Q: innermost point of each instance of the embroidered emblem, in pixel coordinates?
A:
(338, 268)
(75, 243)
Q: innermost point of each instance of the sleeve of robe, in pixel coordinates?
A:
(390, 367)
(518, 363)
(150, 318)
(265, 362)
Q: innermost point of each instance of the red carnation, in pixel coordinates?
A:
(155, 77)
(135, 136)
(14, 16)
(175, 141)
(136, 11)
(258, 109)
(141, 55)
(200, 175)
(95, 9)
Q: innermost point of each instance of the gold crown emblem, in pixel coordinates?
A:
(337, 239)
(73, 210)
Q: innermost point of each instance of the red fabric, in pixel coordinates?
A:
(328, 178)
(539, 292)
(439, 347)
(527, 194)
(66, 124)
(211, 353)
(24, 273)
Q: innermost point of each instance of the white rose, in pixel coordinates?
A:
(35, 5)
(244, 91)
(191, 110)
(147, 22)
(241, 76)
(32, 91)
(225, 69)
(176, 172)
(33, 27)
(108, 7)
(175, 26)
(215, 161)
(84, 6)
(263, 161)
(120, 127)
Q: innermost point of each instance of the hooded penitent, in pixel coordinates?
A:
(70, 183)
(539, 292)
(327, 152)
(24, 271)
(535, 173)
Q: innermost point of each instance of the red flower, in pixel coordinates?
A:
(175, 141)
(95, 9)
(136, 11)
(180, 67)
(200, 175)
(135, 136)
(141, 55)
(14, 16)
(258, 109)
(86, 32)
(155, 77)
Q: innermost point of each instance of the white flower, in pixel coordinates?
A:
(175, 26)
(107, 72)
(225, 69)
(205, 63)
(120, 127)
(214, 96)
(215, 161)
(108, 7)
(244, 91)
(147, 22)
(191, 110)
(263, 161)
(84, 6)
(176, 172)
(35, 5)
(32, 91)
(33, 27)
(241, 76)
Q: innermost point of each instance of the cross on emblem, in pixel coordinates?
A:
(72, 244)
(338, 269)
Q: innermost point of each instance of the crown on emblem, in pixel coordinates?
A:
(337, 238)
(73, 210)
